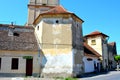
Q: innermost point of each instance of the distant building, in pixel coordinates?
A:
(99, 42)
(112, 53)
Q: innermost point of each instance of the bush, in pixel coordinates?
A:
(69, 78)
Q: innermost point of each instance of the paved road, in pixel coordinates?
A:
(112, 75)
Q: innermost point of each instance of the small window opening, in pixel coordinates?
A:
(57, 21)
(77, 25)
(44, 4)
(93, 42)
(16, 34)
(89, 59)
(38, 28)
(15, 62)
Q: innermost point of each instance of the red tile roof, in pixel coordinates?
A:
(95, 33)
(91, 52)
(57, 9)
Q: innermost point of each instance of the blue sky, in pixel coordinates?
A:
(100, 15)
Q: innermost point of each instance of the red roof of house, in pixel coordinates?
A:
(95, 33)
(89, 51)
(57, 9)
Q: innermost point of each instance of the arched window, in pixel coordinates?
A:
(89, 59)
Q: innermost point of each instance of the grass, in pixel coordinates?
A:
(68, 78)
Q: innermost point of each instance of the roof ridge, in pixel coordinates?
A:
(96, 33)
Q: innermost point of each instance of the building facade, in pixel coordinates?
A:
(112, 53)
(91, 59)
(59, 34)
(18, 51)
(51, 45)
(99, 42)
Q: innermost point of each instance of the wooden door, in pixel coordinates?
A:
(29, 67)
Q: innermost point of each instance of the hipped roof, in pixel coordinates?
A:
(95, 33)
(57, 10)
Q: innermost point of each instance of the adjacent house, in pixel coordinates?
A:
(18, 51)
(99, 42)
(91, 59)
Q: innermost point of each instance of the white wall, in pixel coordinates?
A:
(6, 62)
(89, 65)
(60, 63)
(6, 65)
(98, 46)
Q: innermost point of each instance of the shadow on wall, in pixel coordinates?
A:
(42, 61)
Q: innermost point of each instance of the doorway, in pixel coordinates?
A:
(29, 67)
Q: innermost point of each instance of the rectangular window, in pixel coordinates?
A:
(0, 63)
(93, 42)
(15, 62)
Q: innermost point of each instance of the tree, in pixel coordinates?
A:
(117, 59)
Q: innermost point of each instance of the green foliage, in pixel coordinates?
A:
(68, 78)
(27, 57)
(117, 58)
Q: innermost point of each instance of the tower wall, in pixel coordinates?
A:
(35, 7)
(54, 36)
(61, 43)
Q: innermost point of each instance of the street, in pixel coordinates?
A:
(112, 75)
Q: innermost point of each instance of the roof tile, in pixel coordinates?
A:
(57, 9)
(92, 51)
(96, 33)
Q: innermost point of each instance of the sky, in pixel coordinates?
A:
(98, 15)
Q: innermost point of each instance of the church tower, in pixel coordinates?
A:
(35, 7)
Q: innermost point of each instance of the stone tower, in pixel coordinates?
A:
(59, 35)
(35, 7)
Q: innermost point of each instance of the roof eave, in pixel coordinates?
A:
(40, 16)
